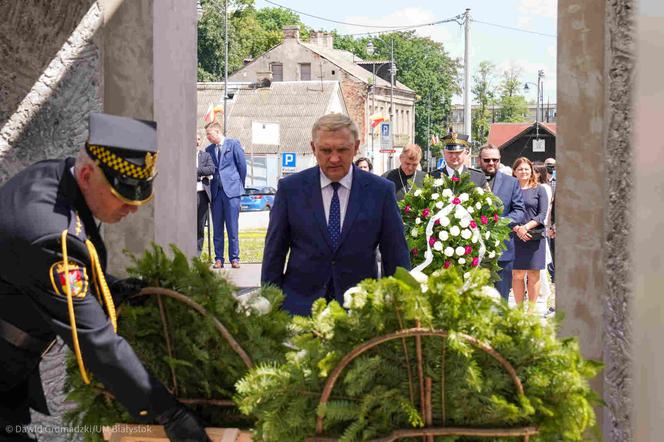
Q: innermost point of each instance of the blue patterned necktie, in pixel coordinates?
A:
(334, 221)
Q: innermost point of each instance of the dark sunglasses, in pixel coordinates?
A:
(491, 160)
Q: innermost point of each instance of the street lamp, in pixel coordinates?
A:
(539, 110)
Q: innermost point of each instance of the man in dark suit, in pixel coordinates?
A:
(331, 218)
(204, 170)
(226, 188)
(53, 280)
(455, 151)
(507, 189)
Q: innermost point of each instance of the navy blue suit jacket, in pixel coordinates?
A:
(298, 225)
(231, 172)
(507, 189)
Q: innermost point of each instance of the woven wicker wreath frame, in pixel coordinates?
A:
(160, 292)
(425, 387)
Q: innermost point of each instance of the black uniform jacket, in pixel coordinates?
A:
(36, 205)
(476, 175)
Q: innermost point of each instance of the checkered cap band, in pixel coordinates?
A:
(119, 164)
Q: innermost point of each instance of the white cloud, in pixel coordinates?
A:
(541, 8)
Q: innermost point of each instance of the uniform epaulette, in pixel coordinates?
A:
(76, 227)
(476, 170)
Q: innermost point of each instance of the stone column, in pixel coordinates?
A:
(595, 64)
(648, 224)
(149, 57)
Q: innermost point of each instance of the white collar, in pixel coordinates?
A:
(346, 181)
(221, 141)
(450, 171)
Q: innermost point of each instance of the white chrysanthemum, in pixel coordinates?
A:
(462, 261)
(447, 193)
(443, 235)
(355, 297)
(414, 232)
(479, 190)
(439, 205)
(474, 239)
(466, 275)
(489, 201)
(470, 210)
(491, 292)
(253, 303)
(444, 221)
(460, 251)
(422, 279)
(466, 234)
(478, 205)
(418, 192)
(455, 231)
(418, 220)
(491, 254)
(434, 196)
(464, 222)
(438, 182)
(438, 246)
(487, 235)
(463, 197)
(496, 243)
(449, 251)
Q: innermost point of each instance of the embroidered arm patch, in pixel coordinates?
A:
(78, 279)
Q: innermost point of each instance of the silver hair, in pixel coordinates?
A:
(332, 123)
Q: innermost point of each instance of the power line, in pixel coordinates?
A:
(405, 28)
(514, 29)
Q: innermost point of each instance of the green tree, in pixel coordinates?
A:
(251, 33)
(424, 66)
(513, 105)
(484, 92)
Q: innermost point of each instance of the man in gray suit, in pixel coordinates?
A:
(204, 170)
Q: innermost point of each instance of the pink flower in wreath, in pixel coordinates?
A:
(456, 200)
(432, 241)
(476, 262)
(407, 209)
(455, 178)
(495, 217)
(447, 264)
(484, 219)
(414, 251)
(469, 250)
(437, 222)
(426, 212)
(473, 224)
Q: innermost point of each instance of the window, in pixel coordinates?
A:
(305, 71)
(277, 71)
(333, 72)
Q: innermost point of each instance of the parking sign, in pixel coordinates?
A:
(386, 138)
(288, 160)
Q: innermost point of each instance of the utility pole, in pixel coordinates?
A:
(393, 71)
(466, 70)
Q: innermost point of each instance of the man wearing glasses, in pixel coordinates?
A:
(507, 189)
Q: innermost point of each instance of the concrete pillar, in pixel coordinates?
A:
(149, 58)
(594, 272)
(648, 224)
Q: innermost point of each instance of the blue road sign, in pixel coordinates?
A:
(288, 159)
(441, 163)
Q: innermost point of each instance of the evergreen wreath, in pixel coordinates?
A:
(373, 395)
(449, 222)
(202, 365)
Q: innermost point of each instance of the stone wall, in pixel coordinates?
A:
(50, 79)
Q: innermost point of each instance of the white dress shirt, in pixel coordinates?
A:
(217, 148)
(199, 184)
(344, 194)
(450, 171)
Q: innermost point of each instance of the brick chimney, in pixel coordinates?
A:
(322, 39)
(291, 32)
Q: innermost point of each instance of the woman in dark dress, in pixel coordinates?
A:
(529, 247)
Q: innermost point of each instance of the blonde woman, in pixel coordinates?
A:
(530, 243)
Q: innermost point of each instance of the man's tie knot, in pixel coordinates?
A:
(335, 185)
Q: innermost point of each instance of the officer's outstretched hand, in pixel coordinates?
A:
(182, 426)
(121, 289)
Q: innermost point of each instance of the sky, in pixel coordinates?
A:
(528, 52)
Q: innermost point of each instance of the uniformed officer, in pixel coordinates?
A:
(455, 151)
(53, 280)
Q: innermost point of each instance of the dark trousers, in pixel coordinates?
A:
(552, 265)
(201, 215)
(226, 211)
(505, 284)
